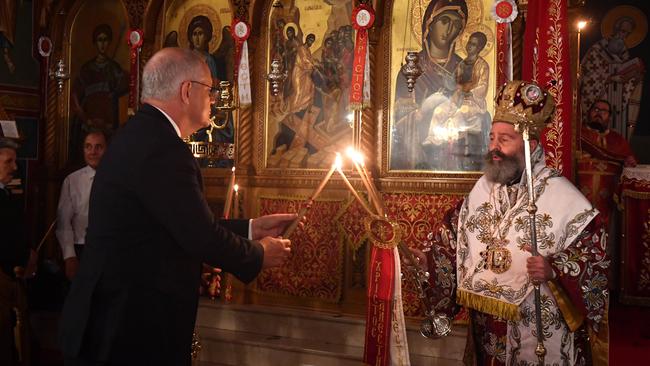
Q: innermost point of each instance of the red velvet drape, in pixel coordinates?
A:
(546, 60)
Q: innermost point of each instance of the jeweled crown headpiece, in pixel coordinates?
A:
(523, 104)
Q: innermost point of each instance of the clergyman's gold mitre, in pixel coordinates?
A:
(525, 105)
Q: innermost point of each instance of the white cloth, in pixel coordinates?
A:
(72, 213)
(399, 355)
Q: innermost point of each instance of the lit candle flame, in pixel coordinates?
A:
(338, 162)
(582, 24)
(355, 155)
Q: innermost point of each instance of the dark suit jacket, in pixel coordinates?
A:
(135, 296)
(13, 245)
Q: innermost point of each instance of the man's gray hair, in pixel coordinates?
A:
(164, 73)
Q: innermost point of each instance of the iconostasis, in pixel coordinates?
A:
(423, 148)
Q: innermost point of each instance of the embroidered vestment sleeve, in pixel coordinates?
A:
(580, 286)
(440, 250)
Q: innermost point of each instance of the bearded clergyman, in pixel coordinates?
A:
(480, 257)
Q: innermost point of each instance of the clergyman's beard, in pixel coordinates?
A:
(504, 171)
(597, 126)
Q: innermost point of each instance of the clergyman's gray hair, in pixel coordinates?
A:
(162, 76)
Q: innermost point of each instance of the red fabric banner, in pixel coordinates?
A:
(546, 61)
(134, 39)
(503, 47)
(381, 277)
(133, 79)
(240, 31)
(356, 85)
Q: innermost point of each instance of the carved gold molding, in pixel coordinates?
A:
(20, 101)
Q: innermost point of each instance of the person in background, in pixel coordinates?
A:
(72, 212)
(604, 153)
(134, 299)
(17, 261)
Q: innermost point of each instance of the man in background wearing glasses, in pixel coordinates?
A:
(604, 153)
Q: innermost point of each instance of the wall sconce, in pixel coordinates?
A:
(60, 74)
(276, 77)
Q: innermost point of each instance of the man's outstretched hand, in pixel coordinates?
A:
(271, 225)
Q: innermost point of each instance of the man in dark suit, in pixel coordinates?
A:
(17, 261)
(134, 299)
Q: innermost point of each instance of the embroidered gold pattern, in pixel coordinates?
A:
(644, 275)
(554, 145)
(544, 239)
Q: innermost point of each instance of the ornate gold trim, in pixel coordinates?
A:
(382, 239)
(635, 194)
(488, 305)
(571, 315)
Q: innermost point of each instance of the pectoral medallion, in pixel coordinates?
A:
(497, 258)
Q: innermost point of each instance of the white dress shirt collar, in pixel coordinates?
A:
(90, 171)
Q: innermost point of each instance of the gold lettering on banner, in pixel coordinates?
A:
(380, 334)
(373, 330)
(378, 315)
(376, 279)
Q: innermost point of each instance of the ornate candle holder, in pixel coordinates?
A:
(411, 69)
(276, 77)
(60, 74)
(221, 114)
(226, 99)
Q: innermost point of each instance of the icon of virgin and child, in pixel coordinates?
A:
(443, 123)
